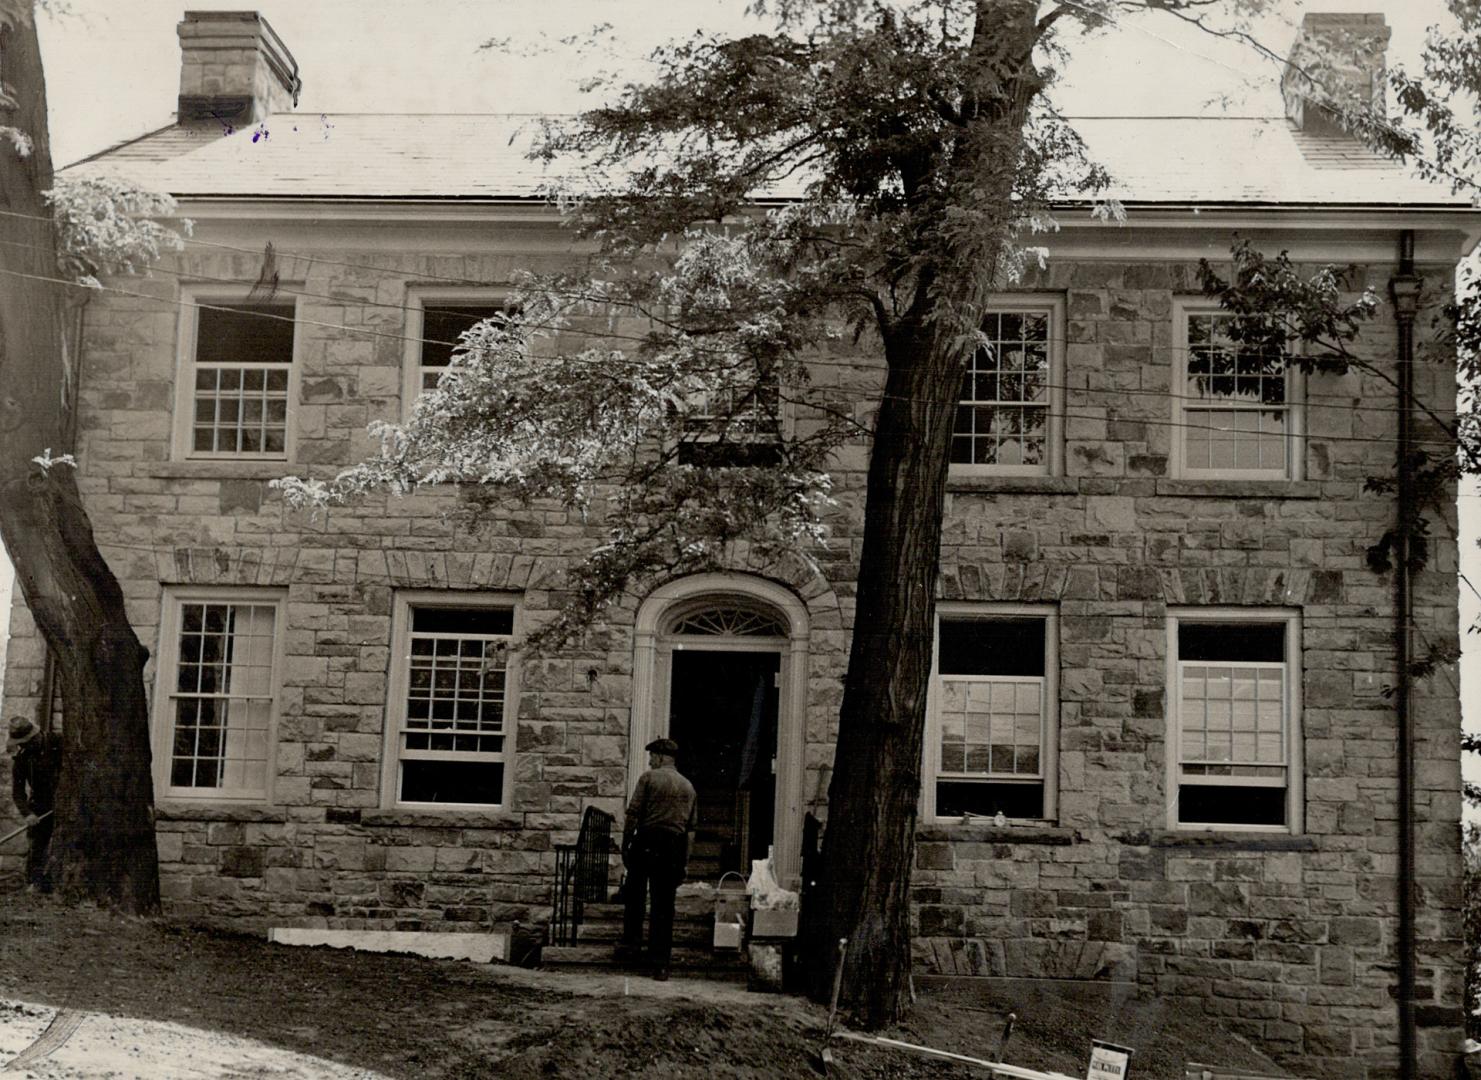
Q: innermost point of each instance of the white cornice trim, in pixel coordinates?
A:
(1444, 233)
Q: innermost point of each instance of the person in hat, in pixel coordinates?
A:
(656, 837)
(36, 763)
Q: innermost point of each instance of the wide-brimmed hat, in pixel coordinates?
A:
(663, 746)
(22, 731)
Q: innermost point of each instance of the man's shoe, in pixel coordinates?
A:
(661, 974)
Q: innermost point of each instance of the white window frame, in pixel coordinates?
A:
(397, 687)
(417, 300)
(1182, 404)
(1052, 306)
(1049, 729)
(193, 298)
(1294, 785)
(166, 680)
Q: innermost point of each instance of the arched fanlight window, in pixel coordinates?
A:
(731, 622)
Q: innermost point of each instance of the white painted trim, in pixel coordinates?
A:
(192, 294)
(396, 686)
(481, 948)
(1295, 737)
(417, 298)
(162, 725)
(1151, 232)
(1295, 440)
(652, 650)
(1049, 747)
(1053, 305)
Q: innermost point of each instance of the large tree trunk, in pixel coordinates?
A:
(870, 840)
(103, 846)
(869, 843)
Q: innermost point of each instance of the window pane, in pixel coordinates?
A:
(479, 620)
(443, 325)
(1209, 804)
(1232, 642)
(474, 782)
(244, 333)
(984, 799)
(1006, 646)
(222, 707)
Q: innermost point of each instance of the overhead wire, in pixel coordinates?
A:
(954, 402)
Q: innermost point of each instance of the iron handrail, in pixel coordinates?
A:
(581, 875)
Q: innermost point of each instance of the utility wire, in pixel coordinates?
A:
(954, 402)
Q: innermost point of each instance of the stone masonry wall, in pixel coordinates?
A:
(1289, 939)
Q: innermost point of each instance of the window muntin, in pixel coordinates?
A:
(992, 731)
(1238, 404)
(218, 678)
(1009, 417)
(240, 381)
(1003, 417)
(1234, 720)
(450, 705)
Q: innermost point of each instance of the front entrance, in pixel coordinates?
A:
(723, 714)
(720, 664)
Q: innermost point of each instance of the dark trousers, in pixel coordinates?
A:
(39, 837)
(656, 861)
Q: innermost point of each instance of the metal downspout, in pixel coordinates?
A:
(1404, 289)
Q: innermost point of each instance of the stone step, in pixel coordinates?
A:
(686, 932)
(685, 962)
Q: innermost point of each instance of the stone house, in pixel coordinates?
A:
(1161, 654)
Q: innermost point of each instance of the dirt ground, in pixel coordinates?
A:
(205, 996)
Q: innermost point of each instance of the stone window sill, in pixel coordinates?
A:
(945, 831)
(1221, 841)
(226, 470)
(1012, 485)
(189, 811)
(1241, 489)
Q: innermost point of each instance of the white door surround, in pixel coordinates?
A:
(655, 640)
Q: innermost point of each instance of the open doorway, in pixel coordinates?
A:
(723, 714)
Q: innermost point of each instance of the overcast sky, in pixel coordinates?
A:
(113, 68)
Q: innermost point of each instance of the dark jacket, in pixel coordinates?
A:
(34, 772)
(662, 801)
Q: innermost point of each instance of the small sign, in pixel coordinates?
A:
(1109, 1061)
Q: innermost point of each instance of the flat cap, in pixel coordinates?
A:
(663, 746)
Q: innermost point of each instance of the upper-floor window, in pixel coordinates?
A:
(451, 701)
(236, 394)
(1234, 712)
(217, 692)
(735, 423)
(1236, 406)
(436, 322)
(1008, 419)
(992, 734)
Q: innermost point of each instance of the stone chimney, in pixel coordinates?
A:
(234, 69)
(1336, 66)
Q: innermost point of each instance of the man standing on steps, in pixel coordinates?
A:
(656, 837)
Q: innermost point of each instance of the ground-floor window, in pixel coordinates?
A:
(451, 702)
(992, 732)
(217, 691)
(1234, 718)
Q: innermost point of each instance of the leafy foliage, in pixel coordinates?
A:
(109, 225)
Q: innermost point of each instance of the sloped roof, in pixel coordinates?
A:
(1172, 160)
